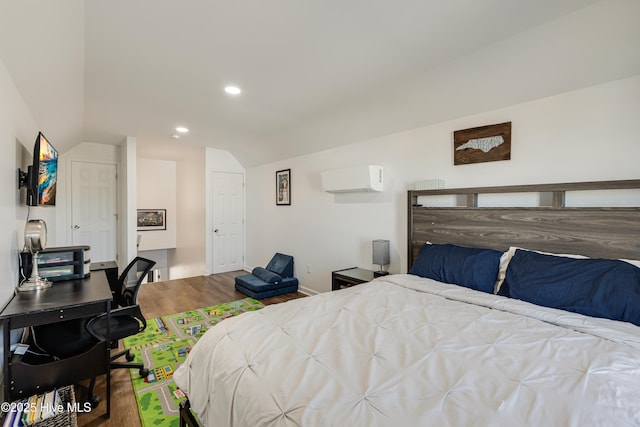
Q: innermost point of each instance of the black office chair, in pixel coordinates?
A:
(72, 337)
(126, 320)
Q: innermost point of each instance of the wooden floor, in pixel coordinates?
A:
(159, 299)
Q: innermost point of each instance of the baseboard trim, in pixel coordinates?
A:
(307, 291)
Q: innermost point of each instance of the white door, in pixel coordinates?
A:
(94, 208)
(227, 203)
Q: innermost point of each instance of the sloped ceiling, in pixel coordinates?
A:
(101, 70)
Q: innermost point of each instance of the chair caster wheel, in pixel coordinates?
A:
(143, 372)
(130, 357)
(94, 401)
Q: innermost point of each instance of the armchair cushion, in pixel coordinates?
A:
(281, 264)
(266, 275)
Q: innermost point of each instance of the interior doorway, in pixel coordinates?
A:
(227, 225)
(94, 219)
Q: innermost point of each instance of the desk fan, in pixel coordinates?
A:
(35, 239)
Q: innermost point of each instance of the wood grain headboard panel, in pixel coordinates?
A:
(603, 232)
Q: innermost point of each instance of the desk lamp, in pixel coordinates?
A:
(35, 239)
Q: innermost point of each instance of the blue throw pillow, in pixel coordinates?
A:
(266, 275)
(595, 287)
(469, 267)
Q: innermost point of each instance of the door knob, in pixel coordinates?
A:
(76, 227)
(216, 230)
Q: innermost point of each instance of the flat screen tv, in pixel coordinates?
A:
(42, 176)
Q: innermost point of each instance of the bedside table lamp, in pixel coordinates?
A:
(381, 256)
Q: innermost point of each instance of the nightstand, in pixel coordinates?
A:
(349, 277)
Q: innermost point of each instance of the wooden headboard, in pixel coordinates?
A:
(600, 232)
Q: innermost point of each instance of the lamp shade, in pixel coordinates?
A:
(35, 235)
(35, 240)
(381, 252)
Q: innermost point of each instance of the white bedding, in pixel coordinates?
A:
(408, 351)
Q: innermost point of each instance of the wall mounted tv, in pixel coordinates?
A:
(41, 177)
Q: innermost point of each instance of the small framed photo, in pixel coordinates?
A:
(152, 219)
(283, 187)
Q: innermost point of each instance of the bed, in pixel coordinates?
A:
(411, 349)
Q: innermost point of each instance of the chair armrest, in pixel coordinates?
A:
(132, 311)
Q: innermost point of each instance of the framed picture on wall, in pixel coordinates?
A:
(152, 219)
(482, 144)
(283, 187)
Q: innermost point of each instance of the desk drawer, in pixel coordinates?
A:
(45, 317)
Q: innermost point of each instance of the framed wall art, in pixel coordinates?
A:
(482, 144)
(283, 187)
(152, 219)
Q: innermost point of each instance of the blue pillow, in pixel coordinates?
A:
(595, 287)
(266, 275)
(469, 267)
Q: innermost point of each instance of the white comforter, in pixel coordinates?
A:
(406, 351)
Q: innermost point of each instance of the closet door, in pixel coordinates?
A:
(227, 207)
(93, 208)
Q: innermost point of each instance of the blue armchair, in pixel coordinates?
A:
(276, 279)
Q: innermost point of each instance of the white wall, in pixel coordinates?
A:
(156, 180)
(189, 258)
(17, 127)
(593, 45)
(128, 201)
(584, 135)
(18, 130)
(157, 190)
(180, 183)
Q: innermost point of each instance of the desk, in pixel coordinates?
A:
(64, 300)
(110, 269)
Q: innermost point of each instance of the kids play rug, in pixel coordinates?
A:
(162, 347)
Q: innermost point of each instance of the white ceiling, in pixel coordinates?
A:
(101, 70)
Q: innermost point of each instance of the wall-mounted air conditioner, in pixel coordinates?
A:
(352, 179)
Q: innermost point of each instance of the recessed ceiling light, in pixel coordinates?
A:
(175, 136)
(232, 90)
(182, 129)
